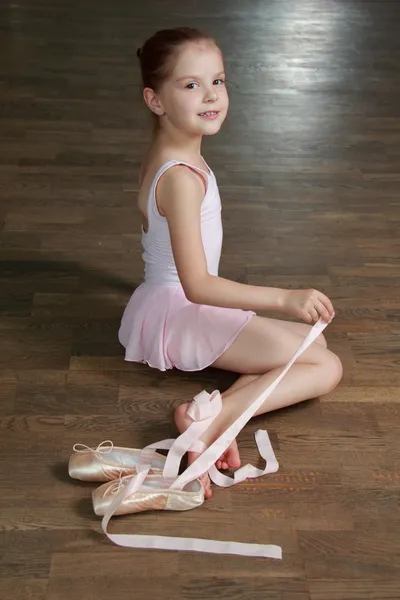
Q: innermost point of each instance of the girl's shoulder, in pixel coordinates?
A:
(155, 160)
(152, 169)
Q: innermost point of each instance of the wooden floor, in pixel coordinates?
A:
(309, 169)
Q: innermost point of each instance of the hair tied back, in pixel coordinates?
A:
(156, 56)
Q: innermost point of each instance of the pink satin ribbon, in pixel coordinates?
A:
(203, 411)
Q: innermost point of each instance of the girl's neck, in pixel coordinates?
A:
(181, 142)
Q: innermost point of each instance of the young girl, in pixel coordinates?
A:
(184, 315)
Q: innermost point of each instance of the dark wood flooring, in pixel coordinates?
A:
(309, 169)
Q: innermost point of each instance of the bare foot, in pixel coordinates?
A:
(229, 459)
(182, 422)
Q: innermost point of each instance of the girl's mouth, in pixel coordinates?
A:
(210, 114)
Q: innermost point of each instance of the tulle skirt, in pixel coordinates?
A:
(162, 328)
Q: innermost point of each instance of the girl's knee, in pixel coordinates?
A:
(333, 371)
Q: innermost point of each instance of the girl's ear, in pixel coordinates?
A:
(153, 102)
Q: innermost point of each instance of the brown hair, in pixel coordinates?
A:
(156, 54)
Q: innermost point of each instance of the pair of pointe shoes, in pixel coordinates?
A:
(116, 467)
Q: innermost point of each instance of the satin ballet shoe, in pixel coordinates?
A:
(108, 462)
(153, 494)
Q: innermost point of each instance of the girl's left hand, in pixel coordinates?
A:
(308, 305)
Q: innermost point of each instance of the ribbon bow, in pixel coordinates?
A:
(203, 411)
(103, 448)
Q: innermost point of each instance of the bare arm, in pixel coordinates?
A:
(179, 194)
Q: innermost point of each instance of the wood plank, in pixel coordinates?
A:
(308, 167)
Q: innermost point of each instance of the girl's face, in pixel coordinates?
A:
(194, 98)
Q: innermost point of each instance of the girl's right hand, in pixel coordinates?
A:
(308, 305)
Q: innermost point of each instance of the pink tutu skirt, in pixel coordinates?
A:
(162, 328)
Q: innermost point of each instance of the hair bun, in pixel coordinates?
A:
(139, 52)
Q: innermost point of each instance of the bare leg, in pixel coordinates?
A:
(300, 328)
(231, 458)
(263, 348)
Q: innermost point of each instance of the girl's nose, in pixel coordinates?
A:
(211, 95)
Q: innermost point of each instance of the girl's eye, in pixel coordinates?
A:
(191, 86)
(218, 82)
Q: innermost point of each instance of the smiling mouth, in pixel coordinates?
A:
(209, 113)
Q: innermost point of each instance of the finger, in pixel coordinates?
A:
(323, 312)
(307, 317)
(328, 304)
(314, 314)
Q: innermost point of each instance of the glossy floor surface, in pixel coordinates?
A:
(309, 171)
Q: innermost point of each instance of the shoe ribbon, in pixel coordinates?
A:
(205, 408)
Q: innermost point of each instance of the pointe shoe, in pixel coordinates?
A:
(107, 462)
(153, 494)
